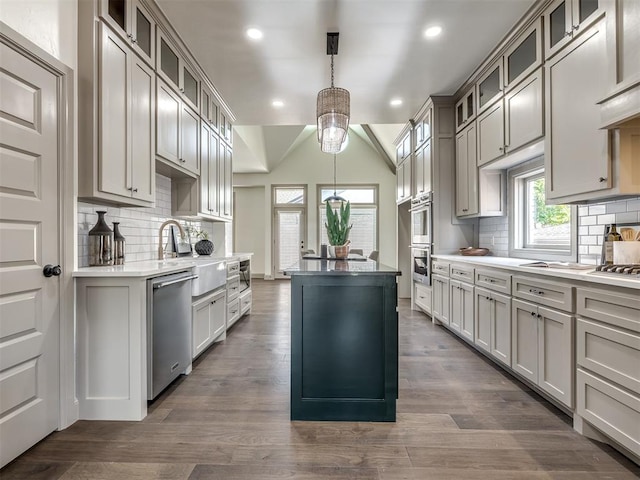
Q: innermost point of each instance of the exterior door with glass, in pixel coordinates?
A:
(289, 238)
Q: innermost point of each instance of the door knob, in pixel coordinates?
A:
(51, 271)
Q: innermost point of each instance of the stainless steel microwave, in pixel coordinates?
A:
(421, 220)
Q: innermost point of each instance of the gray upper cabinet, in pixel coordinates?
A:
(566, 19)
(175, 70)
(133, 22)
(491, 142)
(466, 172)
(209, 108)
(490, 86)
(422, 170)
(523, 109)
(422, 128)
(466, 109)
(524, 56)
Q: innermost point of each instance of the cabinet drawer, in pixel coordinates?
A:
(423, 297)
(233, 288)
(245, 302)
(612, 410)
(496, 281)
(619, 309)
(462, 272)
(609, 352)
(233, 269)
(440, 267)
(543, 292)
(233, 312)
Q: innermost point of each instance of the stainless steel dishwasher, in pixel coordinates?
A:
(168, 330)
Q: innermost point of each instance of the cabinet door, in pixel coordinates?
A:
(218, 316)
(418, 176)
(214, 175)
(576, 150)
(523, 112)
(426, 162)
(143, 107)
(558, 28)
(400, 182)
(501, 328)
(190, 140)
(524, 56)
(168, 116)
(114, 71)
(436, 297)
(490, 86)
(201, 325)
(168, 61)
(190, 86)
(456, 303)
(205, 164)
(446, 304)
(143, 30)
(205, 103)
(467, 318)
(483, 319)
(406, 183)
(466, 172)
(556, 354)
(228, 183)
(524, 339)
(491, 134)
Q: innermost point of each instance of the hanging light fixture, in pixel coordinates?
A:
(335, 200)
(332, 108)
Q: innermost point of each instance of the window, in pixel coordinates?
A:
(364, 215)
(538, 230)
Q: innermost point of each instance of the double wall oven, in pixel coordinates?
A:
(421, 241)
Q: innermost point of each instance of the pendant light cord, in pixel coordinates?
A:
(334, 175)
(332, 70)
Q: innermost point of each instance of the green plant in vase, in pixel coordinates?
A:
(338, 229)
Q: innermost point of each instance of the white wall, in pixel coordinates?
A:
(307, 165)
(248, 218)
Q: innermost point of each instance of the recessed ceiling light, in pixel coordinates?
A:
(277, 103)
(396, 102)
(254, 33)
(433, 31)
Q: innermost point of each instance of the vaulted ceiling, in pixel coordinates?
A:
(383, 54)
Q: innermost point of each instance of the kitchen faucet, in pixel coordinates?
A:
(160, 248)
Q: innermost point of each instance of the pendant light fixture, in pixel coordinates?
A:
(332, 108)
(335, 200)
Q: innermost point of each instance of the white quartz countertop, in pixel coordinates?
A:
(154, 268)
(516, 265)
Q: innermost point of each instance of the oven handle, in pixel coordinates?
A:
(420, 208)
(172, 282)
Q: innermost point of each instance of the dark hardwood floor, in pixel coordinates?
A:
(459, 417)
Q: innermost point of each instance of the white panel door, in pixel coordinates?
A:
(289, 238)
(483, 319)
(555, 354)
(524, 342)
(29, 233)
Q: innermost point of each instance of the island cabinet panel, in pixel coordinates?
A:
(344, 347)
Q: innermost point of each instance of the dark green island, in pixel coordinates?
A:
(344, 340)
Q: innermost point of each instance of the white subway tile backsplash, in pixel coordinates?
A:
(628, 217)
(588, 220)
(606, 219)
(616, 207)
(597, 209)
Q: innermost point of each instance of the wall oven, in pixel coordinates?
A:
(421, 221)
(421, 265)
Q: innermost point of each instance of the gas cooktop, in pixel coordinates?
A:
(630, 269)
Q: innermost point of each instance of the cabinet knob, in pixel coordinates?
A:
(129, 35)
(533, 314)
(602, 179)
(135, 190)
(51, 270)
(134, 40)
(576, 27)
(182, 90)
(567, 34)
(539, 316)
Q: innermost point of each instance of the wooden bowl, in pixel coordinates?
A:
(475, 252)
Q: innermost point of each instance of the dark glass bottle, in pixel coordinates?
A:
(118, 245)
(100, 242)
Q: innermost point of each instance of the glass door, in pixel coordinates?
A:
(289, 232)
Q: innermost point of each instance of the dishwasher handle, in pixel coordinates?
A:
(172, 282)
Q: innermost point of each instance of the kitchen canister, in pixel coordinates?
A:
(100, 242)
(118, 245)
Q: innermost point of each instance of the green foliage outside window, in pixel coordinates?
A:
(548, 215)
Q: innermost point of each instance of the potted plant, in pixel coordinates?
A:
(204, 246)
(338, 229)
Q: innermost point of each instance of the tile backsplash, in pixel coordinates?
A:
(140, 226)
(592, 219)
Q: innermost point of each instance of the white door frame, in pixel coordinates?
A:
(276, 230)
(67, 208)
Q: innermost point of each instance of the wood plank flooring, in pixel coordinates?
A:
(459, 417)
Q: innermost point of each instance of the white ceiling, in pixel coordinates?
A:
(383, 54)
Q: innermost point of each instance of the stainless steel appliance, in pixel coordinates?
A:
(245, 275)
(421, 265)
(168, 330)
(421, 220)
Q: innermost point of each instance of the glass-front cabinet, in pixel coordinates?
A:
(176, 72)
(565, 19)
(209, 108)
(524, 56)
(133, 22)
(466, 109)
(490, 86)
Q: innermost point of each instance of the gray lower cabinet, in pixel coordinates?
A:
(608, 363)
(208, 321)
(493, 324)
(461, 300)
(542, 348)
(440, 298)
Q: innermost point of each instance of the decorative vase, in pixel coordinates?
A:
(342, 251)
(100, 242)
(204, 247)
(118, 245)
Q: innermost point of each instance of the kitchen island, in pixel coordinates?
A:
(344, 340)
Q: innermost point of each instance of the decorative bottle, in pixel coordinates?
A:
(118, 245)
(100, 242)
(612, 236)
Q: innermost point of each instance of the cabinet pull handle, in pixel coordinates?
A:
(135, 190)
(540, 292)
(533, 314)
(602, 179)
